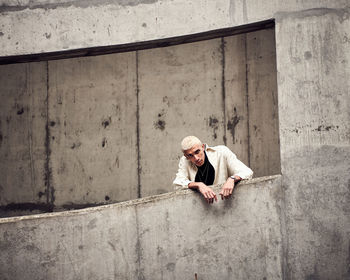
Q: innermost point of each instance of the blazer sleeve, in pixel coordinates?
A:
(182, 176)
(236, 167)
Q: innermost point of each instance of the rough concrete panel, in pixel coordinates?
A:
(92, 117)
(262, 103)
(45, 26)
(152, 238)
(180, 94)
(97, 244)
(313, 65)
(236, 104)
(84, 24)
(22, 133)
(233, 239)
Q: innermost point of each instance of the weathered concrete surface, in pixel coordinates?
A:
(180, 95)
(28, 27)
(93, 138)
(152, 238)
(313, 56)
(264, 148)
(113, 123)
(23, 116)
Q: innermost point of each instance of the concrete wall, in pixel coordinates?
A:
(152, 238)
(112, 124)
(313, 54)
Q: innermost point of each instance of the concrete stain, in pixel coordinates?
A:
(112, 245)
(104, 142)
(75, 145)
(1, 34)
(231, 125)
(107, 198)
(20, 111)
(40, 194)
(92, 224)
(160, 123)
(307, 55)
(326, 128)
(106, 122)
(214, 124)
(44, 207)
(170, 266)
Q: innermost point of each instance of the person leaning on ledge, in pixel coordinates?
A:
(202, 166)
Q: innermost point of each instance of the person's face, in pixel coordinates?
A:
(196, 154)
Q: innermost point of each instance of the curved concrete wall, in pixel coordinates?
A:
(170, 236)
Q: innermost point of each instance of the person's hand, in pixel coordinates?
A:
(207, 192)
(227, 188)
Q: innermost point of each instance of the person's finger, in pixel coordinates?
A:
(216, 199)
(231, 190)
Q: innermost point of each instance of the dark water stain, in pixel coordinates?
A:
(27, 207)
(40, 194)
(104, 142)
(74, 206)
(75, 145)
(80, 247)
(52, 123)
(307, 55)
(1, 34)
(160, 124)
(20, 111)
(214, 124)
(231, 126)
(106, 122)
(170, 266)
(144, 24)
(326, 128)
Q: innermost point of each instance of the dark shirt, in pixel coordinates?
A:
(205, 173)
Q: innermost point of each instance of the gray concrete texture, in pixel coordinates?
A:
(170, 236)
(112, 124)
(312, 55)
(81, 24)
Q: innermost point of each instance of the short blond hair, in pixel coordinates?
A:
(188, 142)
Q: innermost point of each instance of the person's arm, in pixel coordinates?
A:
(237, 171)
(206, 191)
(182, 177)
(182, 181)
(236, 167)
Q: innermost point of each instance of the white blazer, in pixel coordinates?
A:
(223, 160)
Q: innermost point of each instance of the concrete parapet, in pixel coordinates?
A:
(168, 236)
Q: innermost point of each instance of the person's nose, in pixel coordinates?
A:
(196, 157)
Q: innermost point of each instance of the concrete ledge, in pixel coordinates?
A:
(148, 199)
(168, 236)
